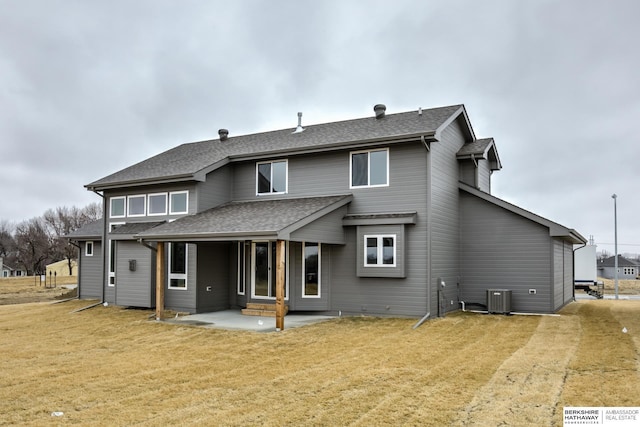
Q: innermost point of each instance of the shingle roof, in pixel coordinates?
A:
(481, 148)
(249, 217)
(187, 160)
(91, 230)
(135, 227)
(622, 262)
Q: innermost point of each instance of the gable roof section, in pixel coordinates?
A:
(193, 161)
(481, 149)
(268, 219)
(89, 231)
(555, 229)
(622, 262)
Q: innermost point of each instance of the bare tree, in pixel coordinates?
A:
(62, 221)
(33, 245)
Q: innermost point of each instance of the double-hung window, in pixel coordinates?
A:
(271, 177)
(178, 266)
(370, 168)
(380, 250)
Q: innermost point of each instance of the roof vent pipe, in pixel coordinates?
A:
(379, 110)
(224, 134)
(299, 128)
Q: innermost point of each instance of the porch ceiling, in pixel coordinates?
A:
(246, 220)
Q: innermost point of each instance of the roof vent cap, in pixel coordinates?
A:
(299, 128)
(224, 134)
(379, 110)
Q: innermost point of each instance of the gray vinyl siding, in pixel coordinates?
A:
(503, 250)
(90, 272)
(183, 299)
(214, 275)
(484, 176)
(135, 288)
(326, 229)
(468, 173)
(445, 244)
(296, 301)
(563, 273)
(216, 190)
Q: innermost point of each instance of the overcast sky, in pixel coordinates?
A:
(90, 87)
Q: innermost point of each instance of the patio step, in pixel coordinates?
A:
(259, 309)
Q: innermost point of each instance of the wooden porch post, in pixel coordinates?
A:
(280, 277)
(159, 280)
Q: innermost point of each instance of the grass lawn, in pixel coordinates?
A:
(112, 366)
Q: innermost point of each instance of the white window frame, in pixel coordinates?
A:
(241, 282)
(178, 276)
(304, 267)
(380, 249)
(173, 193)
(166, 204)
(88, 245)
(124, 211)
(112, 274)
(253, 270)
(286, 177)
(144, 205)
(368, 185)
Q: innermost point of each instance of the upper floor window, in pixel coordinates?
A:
(271, 177)
(117, 207)
(178, 202)
(370, 168)
(157, 204)
(137, 205)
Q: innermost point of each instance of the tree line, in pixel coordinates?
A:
(35, 243)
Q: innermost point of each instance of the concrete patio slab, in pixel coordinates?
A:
(234, 320)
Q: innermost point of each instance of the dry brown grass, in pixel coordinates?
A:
(111, 366)
(625, 287)
(20, 290)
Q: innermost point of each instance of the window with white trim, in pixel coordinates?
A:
(178, 202)
(380, 250)
(178, 266)
(88, 249)
(311, 269)
(157, 204)
(241, 268)
(136, 205)
(369, 168)
(271, 177)
(117, 207)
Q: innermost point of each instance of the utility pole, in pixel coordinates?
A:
(615, 237)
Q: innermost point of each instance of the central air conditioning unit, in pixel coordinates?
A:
(499, 301)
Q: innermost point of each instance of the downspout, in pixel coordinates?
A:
(573, 275)
(426, 316)
(104, 242)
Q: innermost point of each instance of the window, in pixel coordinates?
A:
(271, 177)
(137, 205)
(117, 207)
(112, 262)
(88, 249)
(380, 251)
(370, 168)
(629, 270)
(157, 204)
(311, 270)
(241, 268)
(178, 266)
(178, 202)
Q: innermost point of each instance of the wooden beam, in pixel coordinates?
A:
(160, 265)
(280, 277)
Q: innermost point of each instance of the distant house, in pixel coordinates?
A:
(8, 271)
(627, 269)
(389, 214)
(61, 268)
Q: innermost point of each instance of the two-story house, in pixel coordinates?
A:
(390, 214)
